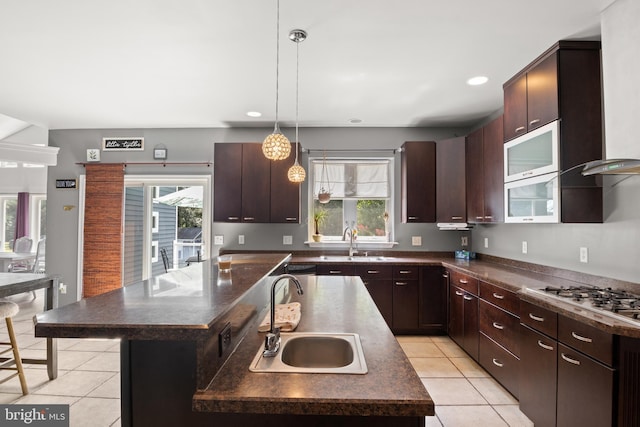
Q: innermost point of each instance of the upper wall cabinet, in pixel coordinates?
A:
(419, 181)
(250, 188)
(564, 84)
(450, 181)
(484, 160)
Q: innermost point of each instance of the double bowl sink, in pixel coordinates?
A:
(302, 352)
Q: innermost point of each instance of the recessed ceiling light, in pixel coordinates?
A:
(355, 121)
(478, 80)
(254, 114)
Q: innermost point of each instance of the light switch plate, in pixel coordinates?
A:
(287, 240)
(241, 239)
(525, 247)
(218, 240)
(416, 240)
(584, 254)
(486, 242)
(464, 241)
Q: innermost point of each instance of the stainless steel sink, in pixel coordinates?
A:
(354, 258)
(328, 353)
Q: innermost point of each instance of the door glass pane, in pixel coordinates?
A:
(10, 208)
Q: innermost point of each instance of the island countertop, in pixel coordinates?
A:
(329, 304)
(180, 305)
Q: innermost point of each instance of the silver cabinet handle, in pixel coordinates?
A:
(291, 218)
(536, 318)
(412, 217)
(459, 293)
(463, 281)
(545, 346)
(498, 325)
(335, 271)
(570, 360)
(497, 363)
(468, 298)
(534, 121)
(373, 272)
(488, 217)
(407, 272)
(581, 338)
(445, 275)
(498, 296)
(455, 218)
(519, 129)
(249, 218)
(233, 218)
(480, 217)
(401, 283)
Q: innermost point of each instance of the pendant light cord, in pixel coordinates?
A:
(277, 59)
(297, 90)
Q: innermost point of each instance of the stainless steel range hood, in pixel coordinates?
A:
(612, 167)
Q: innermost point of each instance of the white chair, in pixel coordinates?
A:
(22, 245)
(9, 309)
(37, 265)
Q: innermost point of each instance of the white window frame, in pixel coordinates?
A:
(155, 221)
(154, 251)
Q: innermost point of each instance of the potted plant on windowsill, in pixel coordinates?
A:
(318, 218)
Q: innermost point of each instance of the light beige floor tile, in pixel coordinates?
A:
(434, 367)
(94, 412)
(70, 360)
(421, 349)
(412, 338)
(117, 423)
(432, 422)
(7, 398)
(493, 391)
(469, 416)
(452, 391)
(109, 389)
(75, 383)
(469, 367)
(46, 399)
(450, 349)
(512, 415)
(108, 361)
(441, 338)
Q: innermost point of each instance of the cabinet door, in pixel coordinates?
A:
(538, 372)
(515, 107)
(456, 315)
(285, 195)
(227, 183)
(474, 160)
(493, 171)
(542, 92)
(433, 300)
(418, 181)
(405, 304)
(335, 270)
(585, 390)
(471, 326)
(450, 181)
(256, 184)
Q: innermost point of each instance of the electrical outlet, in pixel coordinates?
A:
(224, 339)
(464, 241)
(416, 240)
(241, 239)
(486, 242)
(62, 288)
(287, 240)
(218, 240)
(584, 255)
(524, 247)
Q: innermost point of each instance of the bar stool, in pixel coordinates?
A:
(9, 309)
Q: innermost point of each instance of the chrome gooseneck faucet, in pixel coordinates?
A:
(351, 231)
(272, 339)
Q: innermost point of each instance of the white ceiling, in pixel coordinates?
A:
(71, 64)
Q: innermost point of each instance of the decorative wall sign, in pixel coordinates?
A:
(67, 183)
(93, 155)
(122, 144)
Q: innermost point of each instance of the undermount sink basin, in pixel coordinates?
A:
(354, 258)
(328, 353)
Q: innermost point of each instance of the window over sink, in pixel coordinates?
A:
(361, 196)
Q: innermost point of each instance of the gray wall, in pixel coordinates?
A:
(613, 246)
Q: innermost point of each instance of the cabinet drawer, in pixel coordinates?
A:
(501, 297)
(335, 270)
(500, 326)
(406, 272)
(587, 339)
(502, 365)
(374, 271)
(538, 318)
(463, 281)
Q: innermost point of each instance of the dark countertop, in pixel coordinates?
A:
(329, 304)
(179, 305)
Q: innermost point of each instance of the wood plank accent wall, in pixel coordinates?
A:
(104, 198)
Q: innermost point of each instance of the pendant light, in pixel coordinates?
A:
(276, 146)
(296, 172)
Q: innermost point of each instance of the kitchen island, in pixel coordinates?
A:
(188, 338)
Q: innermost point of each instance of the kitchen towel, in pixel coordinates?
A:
(287, 317)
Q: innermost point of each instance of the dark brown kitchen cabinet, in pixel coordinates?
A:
(378, 281)
(250, 188)
(484, 159)
(433, 300)
(450, 181)
(515, 106)
(418, 186)
(406, 291)
(501, 364)
(335, 270)
(463, 312)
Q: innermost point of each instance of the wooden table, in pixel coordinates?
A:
(6, 258)
(17, 283)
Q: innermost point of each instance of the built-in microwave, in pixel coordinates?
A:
(535, 199)
(534, 153)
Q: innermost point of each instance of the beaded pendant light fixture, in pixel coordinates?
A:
(296, 172)
(276, 146)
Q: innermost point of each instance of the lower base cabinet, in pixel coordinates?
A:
(463, 320)
(502, 365)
